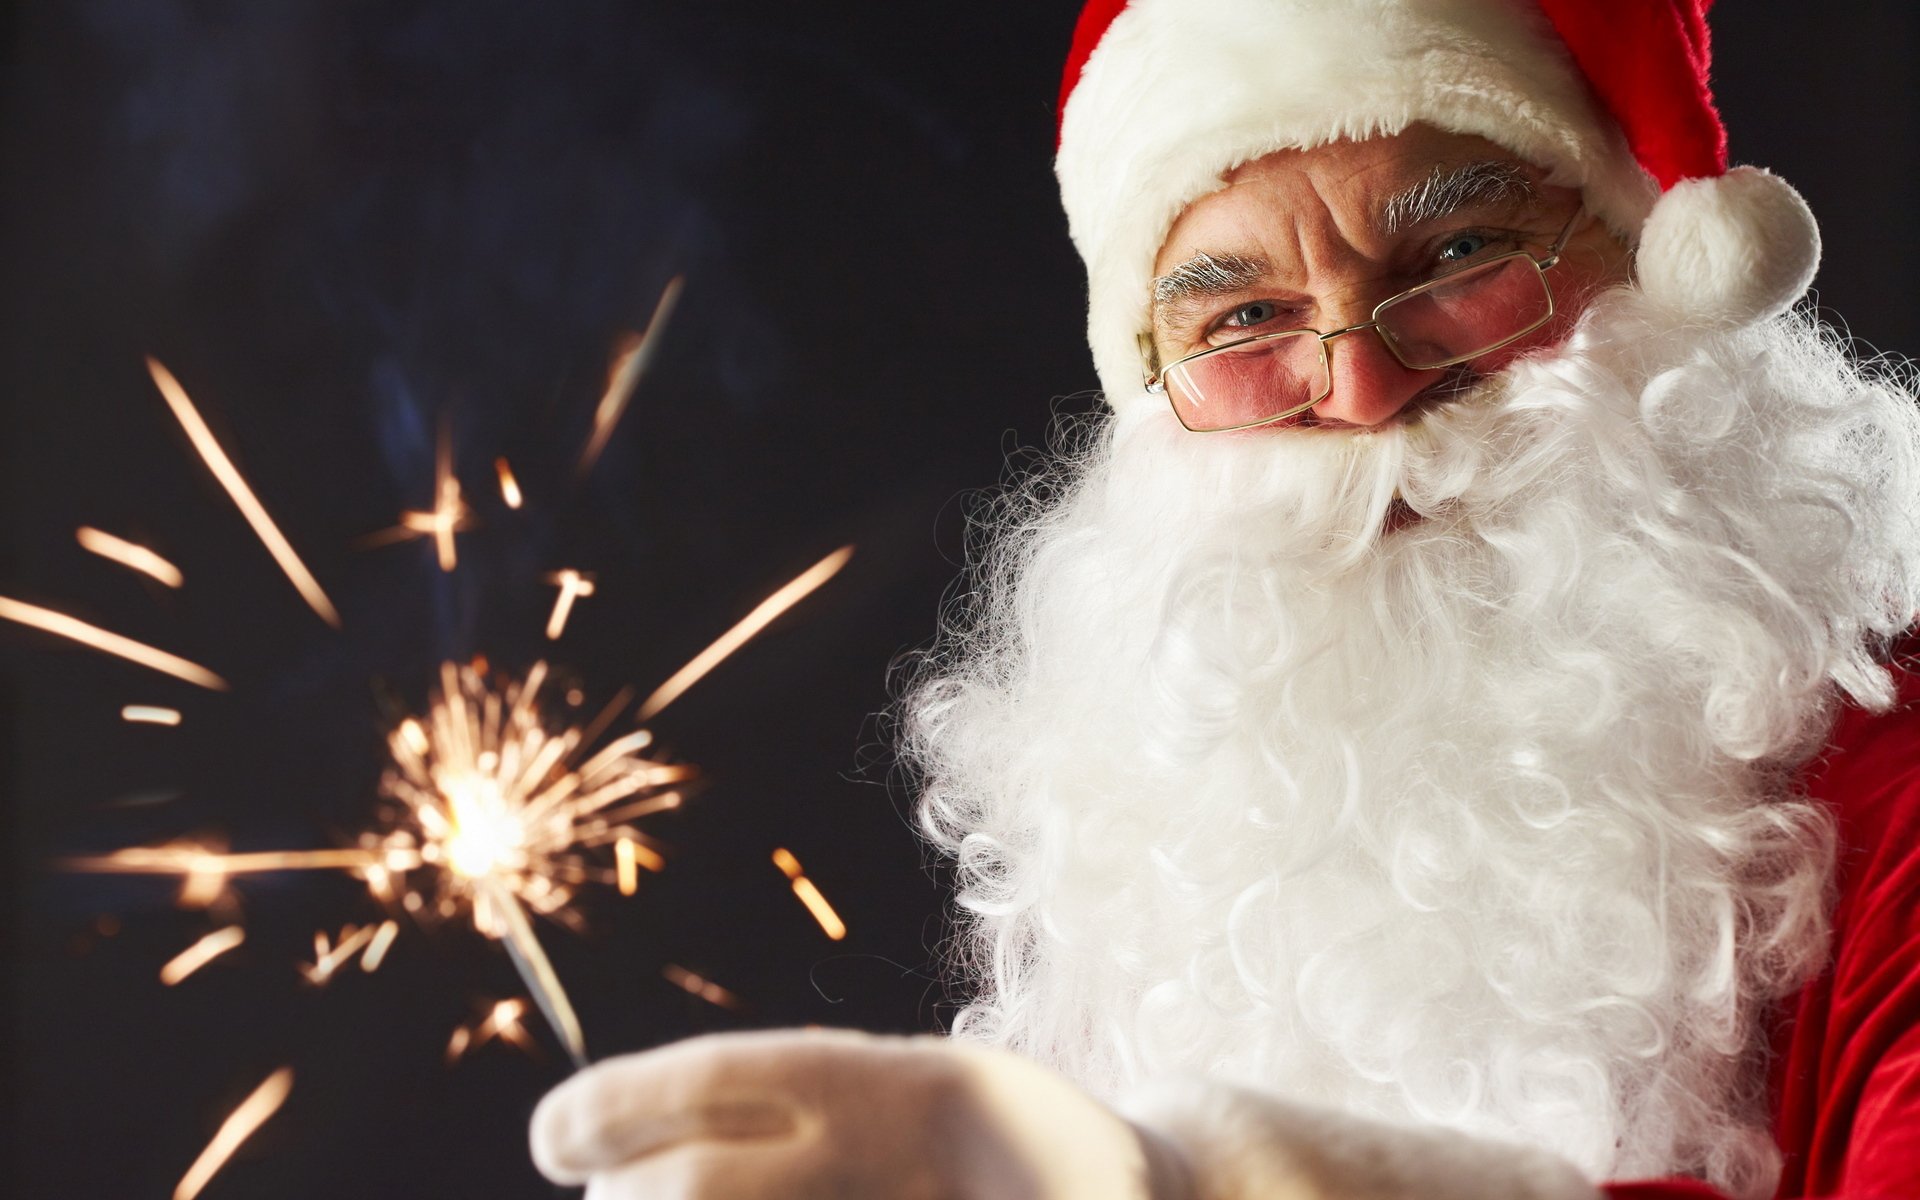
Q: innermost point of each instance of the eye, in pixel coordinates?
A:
(1252, 316)
(1461, 247)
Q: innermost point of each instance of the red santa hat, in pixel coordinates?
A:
(1161, 98)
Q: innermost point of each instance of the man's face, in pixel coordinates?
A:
(1314, 239)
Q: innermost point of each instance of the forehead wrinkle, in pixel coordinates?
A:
(1446, 190)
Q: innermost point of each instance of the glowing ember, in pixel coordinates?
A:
(329, 958)
(699, 985)
(502, 1020)
(629, 363)
(830, 922)
(129, 554)
(377, 949)
(572, 585)
(94, 637)
(150, 714)
(201, 953)
(763, 615)
(250, 506)
(509, 486)
(237, 1128)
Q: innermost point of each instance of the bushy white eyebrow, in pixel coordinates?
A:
(1447, 190)
(1203, 277)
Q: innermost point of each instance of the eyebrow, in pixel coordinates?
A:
(1201, 278)
(1447, 190)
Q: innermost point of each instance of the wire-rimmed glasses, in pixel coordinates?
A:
(1458, 316)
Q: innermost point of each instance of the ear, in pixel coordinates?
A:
(1731, 250)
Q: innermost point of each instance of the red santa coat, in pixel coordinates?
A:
(1846, 1066)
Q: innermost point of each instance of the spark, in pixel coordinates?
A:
(150, 714)
(377, 949)
(201, 953)
(699, 985)
(572, 585)
(192, 860)
(631, 361)
(129, 554)
(763, 615)
(249, 505)
(94, 637)
(237, 1128)
(502, 1020)
(509, 486)
(330, 958)
(830, 922)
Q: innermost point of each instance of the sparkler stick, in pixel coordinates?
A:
(129, 554)
(572, 585)
(201, 953)
(237, 1128)
(523, 946)
(150, 714)
(509, 486)
(62, 625)
(250, 506)
(830, 922)
(632, 361)
(762, 616)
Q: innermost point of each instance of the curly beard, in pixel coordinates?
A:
(1486, 822)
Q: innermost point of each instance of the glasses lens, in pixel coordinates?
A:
(1468, 313)
(1248, 382)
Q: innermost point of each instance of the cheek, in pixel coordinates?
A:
(1572, 292)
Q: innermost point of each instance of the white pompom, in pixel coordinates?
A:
(1732, 250)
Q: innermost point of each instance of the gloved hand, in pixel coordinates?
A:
(815, 1115)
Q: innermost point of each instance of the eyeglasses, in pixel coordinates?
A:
(1272, 376)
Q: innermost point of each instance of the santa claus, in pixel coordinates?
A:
(1441, 734)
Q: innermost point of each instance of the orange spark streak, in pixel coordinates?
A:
(762, 616)
(327, 961)
(377, 949)
(201, 953)
(830, 922)
(188, 860)
(572, 585)
(237, 1128)
(250, 506)
(701, 986)
(129, 554)
(62, 625)
(631, 362)
(150, 714)
(509, 486)
(629, 869)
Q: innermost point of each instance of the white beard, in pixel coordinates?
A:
(1484, 823)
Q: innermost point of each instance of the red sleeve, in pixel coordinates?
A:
(1847, 1067)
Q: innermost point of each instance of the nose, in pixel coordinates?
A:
(1370, 387)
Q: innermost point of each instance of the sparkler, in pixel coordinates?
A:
(249, 505)
(494, 809)
(237, 1128)
(129, 554)
(74, 629)
(830, 922)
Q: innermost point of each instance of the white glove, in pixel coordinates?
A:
(818, 1115)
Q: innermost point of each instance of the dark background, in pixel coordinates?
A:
(339, 221)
